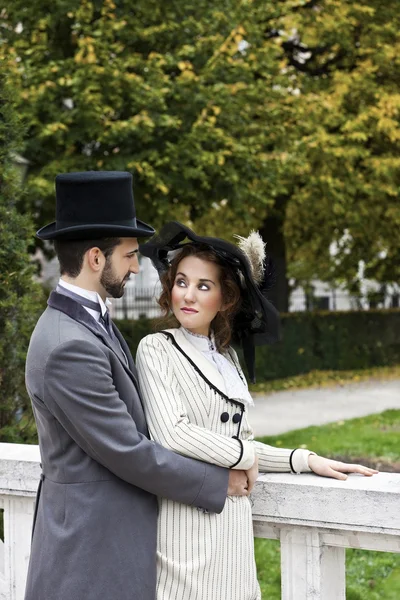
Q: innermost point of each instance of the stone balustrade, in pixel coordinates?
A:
(314, 518)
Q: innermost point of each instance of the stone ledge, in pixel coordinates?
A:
(359, 503)
(19, 469)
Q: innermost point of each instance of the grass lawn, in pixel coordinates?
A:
(373, 440)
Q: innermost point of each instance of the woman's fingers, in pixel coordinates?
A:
(252, 475)
(336, 469)
(336, 475)
(367, 471)
(250, 485)
(351, 468)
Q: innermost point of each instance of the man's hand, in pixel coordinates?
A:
(237, 484)
(333, 468)
(252, 475)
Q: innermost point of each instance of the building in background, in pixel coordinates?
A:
(321, 296)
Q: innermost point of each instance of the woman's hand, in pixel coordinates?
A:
(252, 475)
(336, 469)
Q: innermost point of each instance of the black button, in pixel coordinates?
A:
(225, 417)
(236, 418)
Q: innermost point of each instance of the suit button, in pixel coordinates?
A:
(236, 418)
(225, 417)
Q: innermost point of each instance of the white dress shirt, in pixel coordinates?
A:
(90, 295)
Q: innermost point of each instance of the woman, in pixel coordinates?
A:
(196, 402)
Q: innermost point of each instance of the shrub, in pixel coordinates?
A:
(20, 296)
(332, 341)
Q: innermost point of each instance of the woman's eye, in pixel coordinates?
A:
(203, 286)
(180, 282)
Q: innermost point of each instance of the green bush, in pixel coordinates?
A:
(134, 331)
(332, 341)
(315, 341)
(20, 298)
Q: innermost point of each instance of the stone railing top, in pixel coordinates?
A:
(23, 452)
(360, 503)
(19, 469)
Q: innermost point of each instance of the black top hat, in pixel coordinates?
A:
(94, 204)
(257, 322)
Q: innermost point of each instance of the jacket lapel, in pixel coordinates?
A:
(74, 310)
(209, 370)
(126, 349)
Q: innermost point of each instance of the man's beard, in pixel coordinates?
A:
(114, 287)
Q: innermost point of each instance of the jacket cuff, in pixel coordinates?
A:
(213, 492)
(248, 456)
(299, 460)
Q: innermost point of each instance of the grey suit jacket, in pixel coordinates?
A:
(95, 532)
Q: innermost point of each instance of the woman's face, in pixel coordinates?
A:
(196, 295)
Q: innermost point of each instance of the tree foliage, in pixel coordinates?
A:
(172, 92)
(20, 297)
(346, 190)
(231, 115)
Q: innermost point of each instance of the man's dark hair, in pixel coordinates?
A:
(70, 253)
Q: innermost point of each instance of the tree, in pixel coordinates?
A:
(230, 115)
(166, 91)
(336, 216)
(20, 297)
(344, 211)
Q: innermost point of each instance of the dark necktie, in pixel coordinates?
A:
(104, 319)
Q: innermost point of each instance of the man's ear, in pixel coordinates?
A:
(95, 259)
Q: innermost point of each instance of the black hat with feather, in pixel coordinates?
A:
(257, 322)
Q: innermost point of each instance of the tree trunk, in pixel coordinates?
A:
(272, 233)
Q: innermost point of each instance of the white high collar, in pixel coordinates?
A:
(201, 342)
(235, 387)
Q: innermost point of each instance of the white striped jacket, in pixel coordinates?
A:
(188, 411)
(203, 556)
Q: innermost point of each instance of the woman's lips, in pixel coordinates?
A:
(189, 311)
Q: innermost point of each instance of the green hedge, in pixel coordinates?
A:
(332, 341)
(315, 341)
(134, 331)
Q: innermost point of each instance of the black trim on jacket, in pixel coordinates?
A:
(213, 387)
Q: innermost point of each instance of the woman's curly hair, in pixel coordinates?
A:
(221, 325)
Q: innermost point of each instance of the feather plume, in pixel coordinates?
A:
(254, 248)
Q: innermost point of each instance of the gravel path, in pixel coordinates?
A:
(284, 411)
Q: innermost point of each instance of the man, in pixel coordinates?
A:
(95, 524)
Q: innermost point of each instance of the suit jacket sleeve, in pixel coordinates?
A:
(167, 416)
(79, 391)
